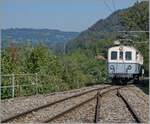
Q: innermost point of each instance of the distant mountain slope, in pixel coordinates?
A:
(133, 18)
(37, 35)
(54, 39)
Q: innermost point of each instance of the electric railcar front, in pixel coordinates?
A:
(124, 62)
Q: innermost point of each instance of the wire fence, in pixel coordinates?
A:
(13, 85)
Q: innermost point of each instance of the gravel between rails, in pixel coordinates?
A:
(139, 93)
(10, 107)
(82, 114)
(114, 110)
(139, 105)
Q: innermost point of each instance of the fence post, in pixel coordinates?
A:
(13, 85)
(36, 81)
(78, 83)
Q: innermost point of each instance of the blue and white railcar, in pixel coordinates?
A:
(124, 62)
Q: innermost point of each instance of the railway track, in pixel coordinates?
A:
(84, 98)
(20, 115)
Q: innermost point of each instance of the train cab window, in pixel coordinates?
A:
(137, 55)
(113, 55)
(128, 56)
(121, 55)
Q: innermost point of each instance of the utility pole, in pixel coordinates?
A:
(64, 48)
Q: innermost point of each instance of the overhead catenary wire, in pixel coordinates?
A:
(126, 31)
(136, 42)
(114, 6)
(137, 12)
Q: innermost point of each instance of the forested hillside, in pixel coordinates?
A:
(77, 66)
(135, 18)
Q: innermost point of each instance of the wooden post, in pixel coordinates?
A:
(13, 85)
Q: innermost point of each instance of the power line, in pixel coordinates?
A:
(114, 5)
(141, 42)
(107, 6)
(133, 41)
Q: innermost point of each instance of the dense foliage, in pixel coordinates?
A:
(55, 73)
(136, 18)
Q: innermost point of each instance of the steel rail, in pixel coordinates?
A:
(130, 108)
(50, 104)
(80, 104)
(97, 109)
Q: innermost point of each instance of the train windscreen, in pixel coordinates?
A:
(113, 55)
(128, 55)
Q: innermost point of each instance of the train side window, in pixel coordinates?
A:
(113, 55)
(128, 56)
(121, 55)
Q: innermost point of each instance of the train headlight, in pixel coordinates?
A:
(128, 68)
(112, 67)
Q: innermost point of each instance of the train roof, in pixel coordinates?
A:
(125, 46)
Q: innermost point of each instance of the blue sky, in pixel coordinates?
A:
(66, 15)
